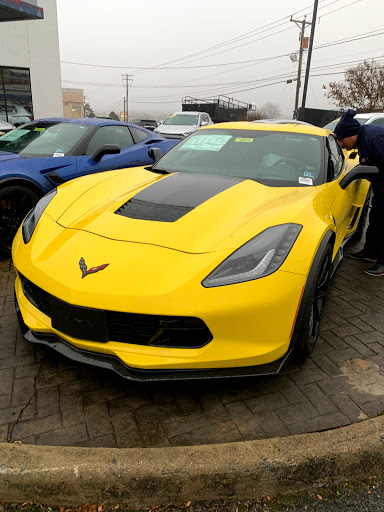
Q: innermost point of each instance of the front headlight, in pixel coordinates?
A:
(259, 257)
(34, 215)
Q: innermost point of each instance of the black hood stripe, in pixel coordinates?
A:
(174, 196)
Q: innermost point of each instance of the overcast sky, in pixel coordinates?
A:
(212, 47)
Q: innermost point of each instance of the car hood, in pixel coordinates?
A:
(6, 155)
(169, 129)
(183, 211)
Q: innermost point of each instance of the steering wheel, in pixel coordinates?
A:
(289, 161)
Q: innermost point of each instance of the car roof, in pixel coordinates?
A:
(363, 115)
(285, 127)
(94, 121)
(280, 121)
(187, 113)
(367, 115)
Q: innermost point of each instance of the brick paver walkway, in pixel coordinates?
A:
(47, 399)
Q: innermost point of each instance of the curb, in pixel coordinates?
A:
(158, 476)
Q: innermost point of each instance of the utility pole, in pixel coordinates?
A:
(314, 15)
(85, 101)
(126, 81)
(301, 24)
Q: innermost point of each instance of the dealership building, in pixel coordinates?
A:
(30, 76)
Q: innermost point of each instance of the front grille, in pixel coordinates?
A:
(151, 330)
(38, 297)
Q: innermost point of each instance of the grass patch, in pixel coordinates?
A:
(322, 493)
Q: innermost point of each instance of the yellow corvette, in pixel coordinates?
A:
(214, 261)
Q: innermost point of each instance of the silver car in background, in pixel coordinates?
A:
(364, 118)
(16, 114)
(5, 127)
(181, 124)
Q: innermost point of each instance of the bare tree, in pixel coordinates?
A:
(363, 88)
(267, 111)
(270, 110)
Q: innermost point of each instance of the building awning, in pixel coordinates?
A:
(16, 10)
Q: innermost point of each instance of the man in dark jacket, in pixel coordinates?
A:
(369, 140)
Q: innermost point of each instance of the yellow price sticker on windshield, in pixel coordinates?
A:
(39, 130)
(239, 139)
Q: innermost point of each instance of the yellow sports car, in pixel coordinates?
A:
(214, 261)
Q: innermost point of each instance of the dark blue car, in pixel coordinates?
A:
(42, 154)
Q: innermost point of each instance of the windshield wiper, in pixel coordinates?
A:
(157, 170)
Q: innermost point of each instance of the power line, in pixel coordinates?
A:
(252, 81)
(367, 35)
(245, 36)
(283, 78)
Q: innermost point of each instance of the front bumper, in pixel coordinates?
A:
(113, 363)
(250, 323)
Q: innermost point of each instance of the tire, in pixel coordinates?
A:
(363, 219)
(314, 308)
(15, 202)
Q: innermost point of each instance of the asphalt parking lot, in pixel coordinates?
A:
(46, 399)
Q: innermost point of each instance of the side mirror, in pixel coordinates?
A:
(107, 149)
(360, 172)
(155, 154)
(204, 123)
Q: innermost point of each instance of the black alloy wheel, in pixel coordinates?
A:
(318, 303)
(15, 203)
(315, 307)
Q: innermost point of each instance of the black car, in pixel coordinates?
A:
(148, 124)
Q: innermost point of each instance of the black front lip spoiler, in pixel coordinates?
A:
(113, 363)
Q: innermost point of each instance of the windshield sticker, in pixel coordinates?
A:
(305, 181)
(39, 130)
(59, 153)
(239, 139)
(206, 142)
(15, 134)
(309, 174)
(294, 140)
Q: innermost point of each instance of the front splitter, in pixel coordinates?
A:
(113, 363)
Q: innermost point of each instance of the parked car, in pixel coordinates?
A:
(149, 124)
(5, 127)
(366, 118)
(17, 114)
(43, 154)
(214, 261)
(181, 124)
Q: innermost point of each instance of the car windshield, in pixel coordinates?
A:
(273, 158)
(181, 119)
(43, 139)
(332, 125)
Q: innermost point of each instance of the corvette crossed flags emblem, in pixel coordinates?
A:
(93, 270)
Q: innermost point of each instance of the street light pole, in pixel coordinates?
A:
(298, 84)
(301, 24)
(309, 56)
(127, 78)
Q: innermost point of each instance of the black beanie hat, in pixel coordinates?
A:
(347, 126)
